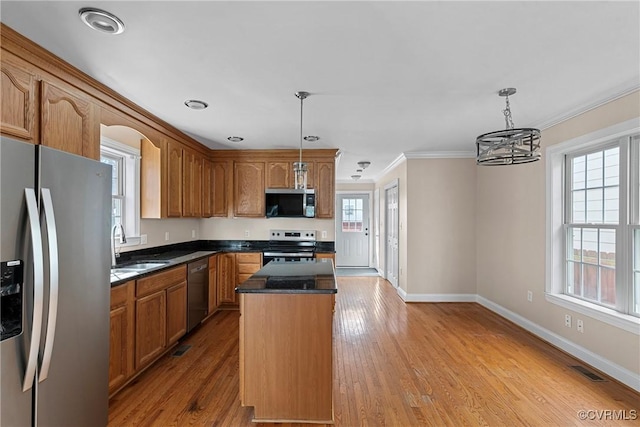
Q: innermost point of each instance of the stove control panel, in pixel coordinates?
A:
(296, 235)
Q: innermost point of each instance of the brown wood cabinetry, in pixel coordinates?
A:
(233, 269)
(191, 184)
(121, 335)
(246, 265)
(325, 190)
(161, 313)
(207, 189)
(18, 98)
(213, 284)
(227, 280)
(174, 179)
(176, 312)
(286, 372)
(279, 175)
(221, 188)
(248, 185)
(69, 122)
(153, 199)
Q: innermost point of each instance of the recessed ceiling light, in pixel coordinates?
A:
(364, 164)
(358, 170)
(311, 138)
(196, 104)
(235, 139)
(355, 177)
(101, 20)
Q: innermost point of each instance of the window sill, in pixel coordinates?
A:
(603, 314)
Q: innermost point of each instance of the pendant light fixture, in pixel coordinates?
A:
(300, 167)
(510, 146)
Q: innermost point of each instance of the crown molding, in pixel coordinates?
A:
(619, 92)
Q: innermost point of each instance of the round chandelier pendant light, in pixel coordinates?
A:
(510, 146)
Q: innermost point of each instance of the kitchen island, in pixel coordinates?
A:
(286, 337)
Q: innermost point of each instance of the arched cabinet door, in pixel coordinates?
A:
(69, 122)
(18, 111)
(248, 196)
(325, 193)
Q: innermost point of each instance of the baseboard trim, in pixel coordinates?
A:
(610, 368)
(406, 297)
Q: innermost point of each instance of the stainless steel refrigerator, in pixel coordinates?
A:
(54, 351)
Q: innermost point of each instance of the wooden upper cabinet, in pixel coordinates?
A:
(248, 184)
(174, 179)
(325, 193)
(69, 122)
(279, 175)
(191, 184)
(220, 187)
(18, 112)
(207, 189)
(152, 180)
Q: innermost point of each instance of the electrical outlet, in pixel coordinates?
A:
(324, 234)
(529, 296)
(580, 326)
(567, 320)
(166, 236)
(193, 234)
(143, 239)
(247, 233)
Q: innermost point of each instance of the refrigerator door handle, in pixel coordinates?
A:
(52, 239)
(38, 287)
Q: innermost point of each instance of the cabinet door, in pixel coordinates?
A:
(213, 284)
(279, 175)
(206, 188)
(121, 330)
(325, 191)
(191, 184)
(151, 327)
(176, 312)
(227, 279)
(18, 112)
(221, 176)
(174, 179)
(248, 195)
(311, 181)
(68, 122)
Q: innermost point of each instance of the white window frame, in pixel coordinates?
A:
(556, 232)
(130, 184)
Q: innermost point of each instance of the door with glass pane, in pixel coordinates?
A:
(352, 231)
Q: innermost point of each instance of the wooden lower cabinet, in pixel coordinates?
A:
(176, 312)
(121, 335)
(286, 372)
(213, 284)
(161, 313)
(233, 269)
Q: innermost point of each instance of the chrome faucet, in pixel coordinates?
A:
(121, 240)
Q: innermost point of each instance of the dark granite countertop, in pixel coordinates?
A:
(292, 278)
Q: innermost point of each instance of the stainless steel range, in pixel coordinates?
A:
(290, 246)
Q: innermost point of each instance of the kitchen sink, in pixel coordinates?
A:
(121, 274)
(142, 266)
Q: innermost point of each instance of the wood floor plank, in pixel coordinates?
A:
(395, 364)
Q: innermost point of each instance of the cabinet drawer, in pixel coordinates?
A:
(249, 258)
(161, 280)
(248, 268)
(119, 294)
(242, 277)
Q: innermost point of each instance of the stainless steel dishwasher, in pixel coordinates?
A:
(197, 292)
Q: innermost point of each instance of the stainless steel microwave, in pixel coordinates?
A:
(290, 203)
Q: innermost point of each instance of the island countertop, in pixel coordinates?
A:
(288, 277)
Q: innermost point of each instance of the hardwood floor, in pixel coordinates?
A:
(395, 364)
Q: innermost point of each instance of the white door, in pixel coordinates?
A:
(391, 201)
(352, 230)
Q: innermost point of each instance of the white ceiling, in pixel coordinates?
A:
(385, 77)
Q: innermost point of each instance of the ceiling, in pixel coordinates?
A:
(385, 78)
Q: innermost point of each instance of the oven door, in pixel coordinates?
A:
(267, 257)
